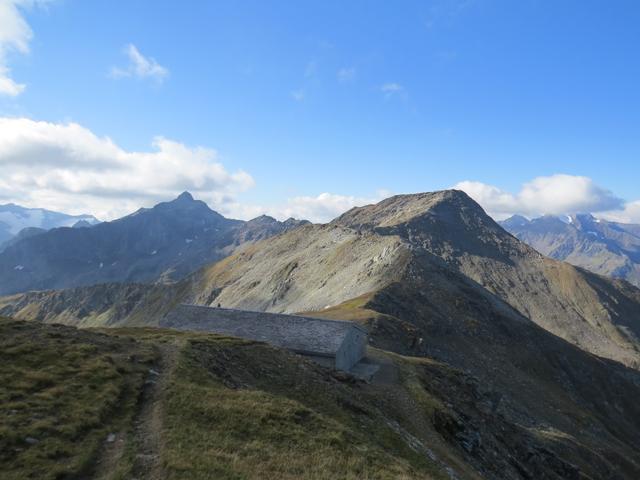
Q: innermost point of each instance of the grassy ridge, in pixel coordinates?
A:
(231, 409)
(62, 391)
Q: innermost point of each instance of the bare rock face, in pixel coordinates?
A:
(307, 269)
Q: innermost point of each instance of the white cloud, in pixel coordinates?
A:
(319, 209)
(15, 35)
(9, 86)
(629, 214)
(140, 66)
(555, 194)
(67, 167)
(322, 208)
(346, 75)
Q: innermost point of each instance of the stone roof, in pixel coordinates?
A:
(301, 334)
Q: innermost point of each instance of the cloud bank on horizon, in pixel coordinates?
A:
(68, 168)
(557, 194)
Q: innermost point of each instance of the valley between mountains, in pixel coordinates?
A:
(501, 363)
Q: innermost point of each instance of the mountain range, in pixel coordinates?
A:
(159, 244)
(536, 361)
(603, 247)
(431, 240)
(14, 218)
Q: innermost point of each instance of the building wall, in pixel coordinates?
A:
(352, 350)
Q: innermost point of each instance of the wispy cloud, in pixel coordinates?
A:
(346, 75)
(140, 66)
(311, 69)
(309, 80)
(393, 89)
(15, 36)
(444, 12)
(298, 95)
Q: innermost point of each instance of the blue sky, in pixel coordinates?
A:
(348, 98)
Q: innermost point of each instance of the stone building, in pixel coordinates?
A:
(333, 343)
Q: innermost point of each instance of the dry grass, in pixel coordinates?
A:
(232, 409)
(61, 392)
(238, 410)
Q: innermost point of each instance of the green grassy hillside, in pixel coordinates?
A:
(62, 392)
(238, 410)
(156, 404)
(147, 403)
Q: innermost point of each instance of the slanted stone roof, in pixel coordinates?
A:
(301, 334)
